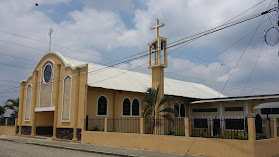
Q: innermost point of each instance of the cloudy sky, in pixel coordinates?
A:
(104, 31)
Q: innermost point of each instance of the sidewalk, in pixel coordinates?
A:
(114, 151)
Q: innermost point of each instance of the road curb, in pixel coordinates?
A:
(72, 148)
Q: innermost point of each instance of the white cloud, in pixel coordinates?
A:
(99, 29)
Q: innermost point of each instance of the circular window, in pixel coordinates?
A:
(47, 73)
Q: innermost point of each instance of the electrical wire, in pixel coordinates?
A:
(242, 55)
(189, 40)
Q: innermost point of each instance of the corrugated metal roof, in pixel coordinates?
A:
(237, 99)
(119, 79)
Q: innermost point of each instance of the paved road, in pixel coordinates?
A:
(13, 149)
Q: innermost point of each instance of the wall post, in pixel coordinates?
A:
(76, 105)
(20, 107)
(55, 119)
(141, 125)
(6, 121)
(251, 130)
(275, 127)
(106, 125)
(187, 127)
(267, 128)
(33, 104)
(16, 119)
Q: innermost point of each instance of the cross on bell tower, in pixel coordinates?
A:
(157, 60)
(155, 56)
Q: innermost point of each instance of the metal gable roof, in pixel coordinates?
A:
(243, 98)
(119, 79)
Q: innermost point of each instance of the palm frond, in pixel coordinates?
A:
(165, 99)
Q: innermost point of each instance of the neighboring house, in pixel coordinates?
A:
(233, 109)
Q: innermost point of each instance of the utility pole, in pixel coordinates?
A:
(50, 32)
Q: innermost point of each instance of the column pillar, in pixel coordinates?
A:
(275, 128)
(76, 104)
(106, 125)
(6, 121)
(267, 129)
(251, 130)
(187, 127)
(20, 107)
(57, 101)
(141, 125)
(16, 121)
(33, 104)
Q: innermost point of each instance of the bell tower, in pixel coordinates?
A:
(157, 59)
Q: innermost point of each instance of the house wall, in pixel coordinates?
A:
(221, 108)
(115, 101)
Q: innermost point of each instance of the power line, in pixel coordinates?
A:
(232, 24)
(246, 83)
(242, 54)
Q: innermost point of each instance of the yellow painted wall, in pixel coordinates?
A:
(44, 119)
(77, 98)
(267, 148)
(7, 130)
(172, 144)
(115, 100)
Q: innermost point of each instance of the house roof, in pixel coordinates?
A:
(120, 79)
(239, 98)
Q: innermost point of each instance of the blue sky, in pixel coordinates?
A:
(101, 31)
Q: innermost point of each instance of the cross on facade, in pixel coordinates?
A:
(50, 32)
(157, 27)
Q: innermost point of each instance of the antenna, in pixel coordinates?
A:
(50, 32)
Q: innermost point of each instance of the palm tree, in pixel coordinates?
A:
(152, 106)
(13, 105)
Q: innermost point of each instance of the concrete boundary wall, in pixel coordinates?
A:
(267, 148)
(172, 144)
(7, 130)
(193, 145)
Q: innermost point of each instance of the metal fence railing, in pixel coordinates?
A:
(95, 124)
(163, 126)
(158, 126)
(11, 121)
(225, 128)
(267, 130)
(124, 125)
(2, 121)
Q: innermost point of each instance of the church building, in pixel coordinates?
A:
(61, 93)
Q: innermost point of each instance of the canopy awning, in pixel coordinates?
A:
(268, 105)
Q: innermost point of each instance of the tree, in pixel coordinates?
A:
(152, 106)
(13, 105)
(2, 110)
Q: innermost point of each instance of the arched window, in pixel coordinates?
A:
(66, 101)
(182, 110)
(28, 102)
(176, 109)
(126, 107)
(135, 107)
(102, 105)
